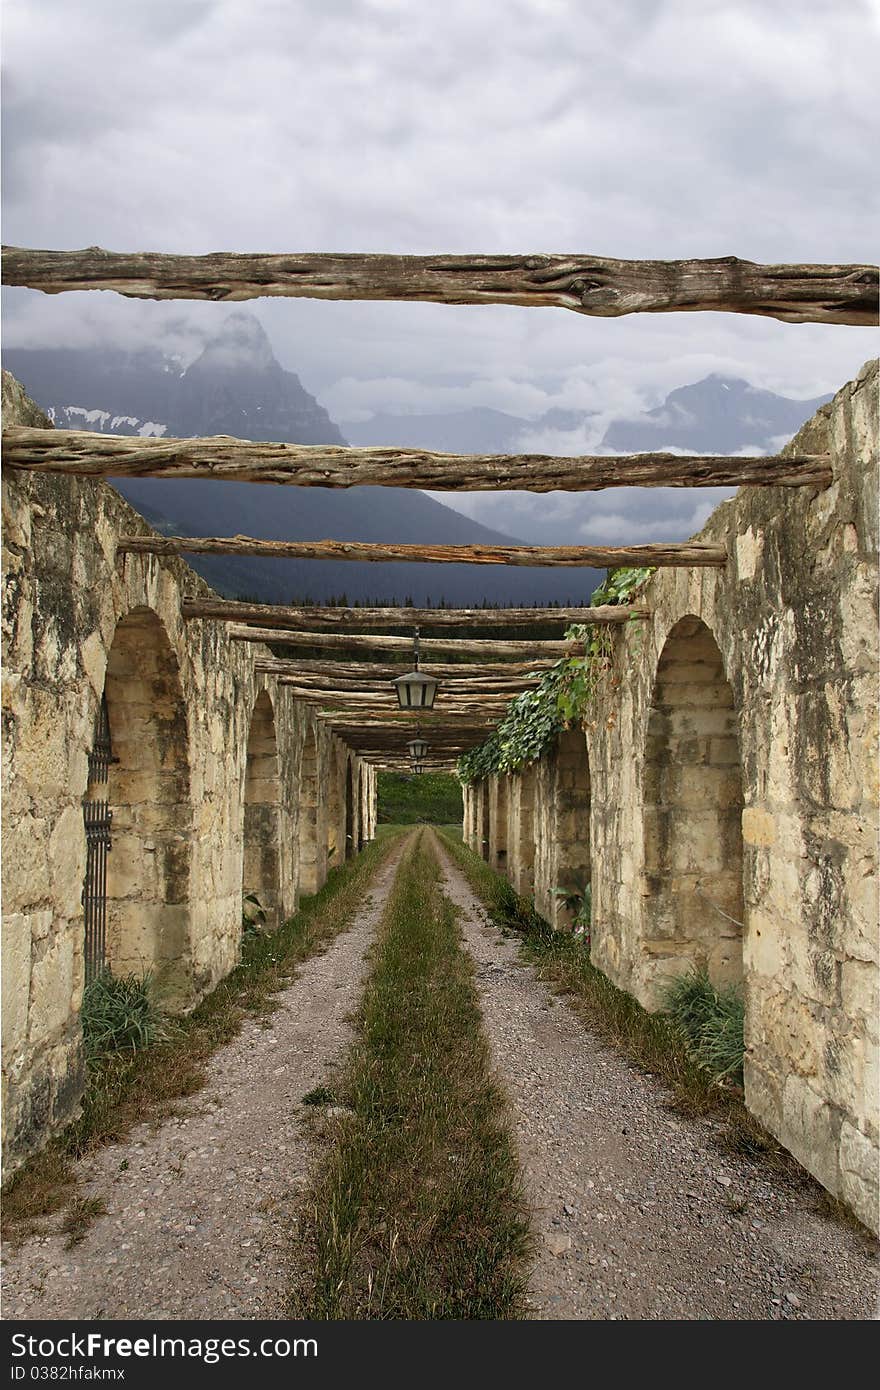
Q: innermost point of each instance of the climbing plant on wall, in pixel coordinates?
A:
(561, 697)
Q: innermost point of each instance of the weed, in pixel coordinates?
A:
(79, 1217)
(119, 1015)
(710, 1021)
(321, 1095)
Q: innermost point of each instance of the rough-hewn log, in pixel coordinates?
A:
(459, 646)
(369, 700)
(406, 719)
(484, 685)
(688, 555)
(595, 285)
(81, 453)
(506, 670)
(281, 616)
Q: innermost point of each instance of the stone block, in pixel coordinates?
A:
(859, 1167)
(67, 861)
(758, 826)
(52, 990)
(810, 1129)
(16, 980)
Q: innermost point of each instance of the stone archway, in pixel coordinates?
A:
(692, 809)
(148, 792)
(261, 860)
(350, 847)
(571, 857)
(311, 839)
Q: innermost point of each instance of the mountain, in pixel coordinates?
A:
(721, 415)
(718, 415)
(238, 387)
(475, 431)
(478, 430)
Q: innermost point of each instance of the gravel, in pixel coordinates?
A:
(638, 1212)
(200, 1212)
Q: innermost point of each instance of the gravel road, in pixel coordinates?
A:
(639, 1213)
(199, 1211)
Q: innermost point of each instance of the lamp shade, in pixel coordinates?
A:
(415, 690)
(417, 767)
(417, 749)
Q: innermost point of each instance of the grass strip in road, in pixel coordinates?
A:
(417, 1210)
(650, 1040)
(131, 1088)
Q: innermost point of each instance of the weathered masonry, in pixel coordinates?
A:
(219, 783)
(722, 800)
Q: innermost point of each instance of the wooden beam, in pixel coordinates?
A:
(688, 555)
(593, 285)
(81, 453)
(281, 616)
(459, 646)
(369, 700)
(484, 685)
(368, 670)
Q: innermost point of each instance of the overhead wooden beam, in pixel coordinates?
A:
(281, 615)
(368, 670)
(593, 285)
(459, 646)
(688, 555)
(489, 685)
(343, 700)
(81, 453)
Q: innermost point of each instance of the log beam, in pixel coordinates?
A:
(319, 686)
(279, 615)
(690, 555)
(81, 453)
(457, 646)
(507, 670)
(594, 285)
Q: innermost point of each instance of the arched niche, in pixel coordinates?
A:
(692, 799)
(148, 794)
(571, 854)
(310, 838)
(261, 859)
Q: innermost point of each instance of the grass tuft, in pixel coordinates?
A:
(79, 1217)
(417, 1210)
(118, 1015)
(711, 1022)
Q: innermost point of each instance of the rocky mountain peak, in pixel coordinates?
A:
(241, 344)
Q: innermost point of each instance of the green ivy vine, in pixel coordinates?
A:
(561, 697)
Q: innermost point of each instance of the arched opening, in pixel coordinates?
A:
(693, 814)
(261, 862)
(148, 796)
(571, 830)
(498, 823)
(485, 819)
(310, 858)
(350, 846)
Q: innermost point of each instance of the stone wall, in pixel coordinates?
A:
(733, 793)
(210, 762)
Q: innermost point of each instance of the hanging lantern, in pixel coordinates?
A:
(415, 690)
(417, 749)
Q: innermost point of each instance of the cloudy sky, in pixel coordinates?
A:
(632, 128)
